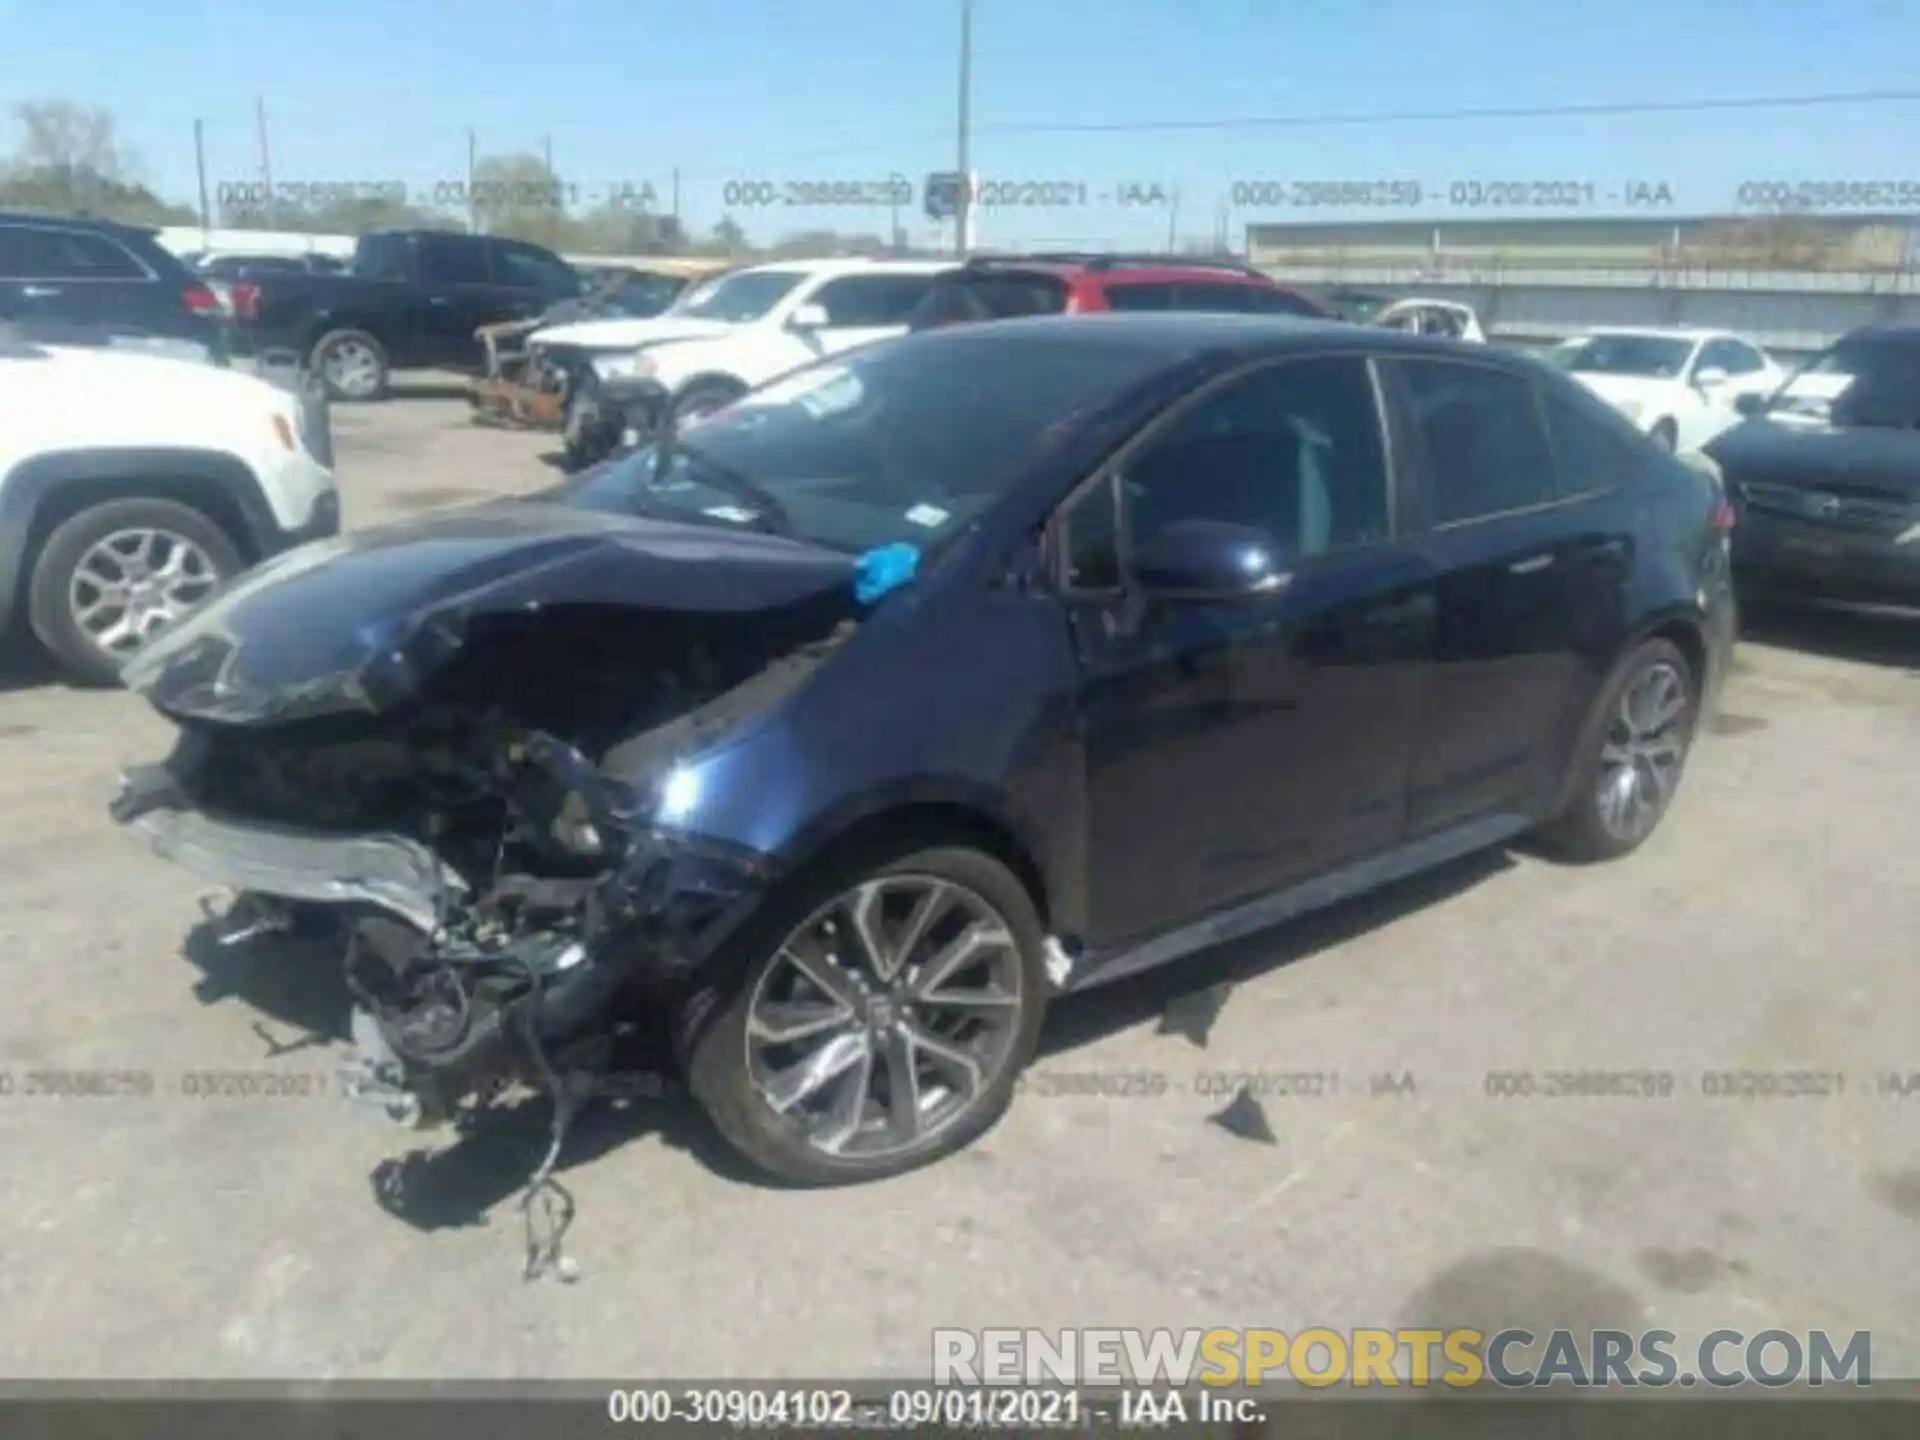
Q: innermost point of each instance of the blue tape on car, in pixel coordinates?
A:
(885, 569)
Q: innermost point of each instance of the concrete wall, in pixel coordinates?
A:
(1836, 242)
(1782, 310)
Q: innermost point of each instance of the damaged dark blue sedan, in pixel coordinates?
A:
(852, 724)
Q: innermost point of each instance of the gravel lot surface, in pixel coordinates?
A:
(1772, 925)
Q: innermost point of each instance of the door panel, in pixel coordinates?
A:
(1508, 569)
(1233, 745)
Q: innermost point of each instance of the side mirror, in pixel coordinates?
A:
(1750, 405)
(808, 317)
(1708, 378)
(1208, 560)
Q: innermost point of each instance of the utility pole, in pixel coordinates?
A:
(473, 164)
(963, 212)
(1173, 221)
(266, 155)
(676, 195)
(200, 169)
(546, 151)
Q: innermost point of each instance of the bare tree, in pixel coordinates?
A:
(69, 157)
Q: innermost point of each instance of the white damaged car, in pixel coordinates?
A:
(720, 340)
(1680, 386)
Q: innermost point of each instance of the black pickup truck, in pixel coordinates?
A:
(411, 301)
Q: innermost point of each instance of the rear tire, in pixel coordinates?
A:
(1628, 768)
(351, 364)
(713, 1029)
(61, 593)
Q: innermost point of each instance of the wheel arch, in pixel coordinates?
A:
(709, 379)
(1683, 627)
(41, 493)
(919, 816)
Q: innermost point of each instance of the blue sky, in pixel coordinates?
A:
(828, 90)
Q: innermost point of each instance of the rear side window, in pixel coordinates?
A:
(1593, 452)
(47, 252)
(862, 301)
(528, 268)
(967, 299)
(453, 260)
(381, 257)
(1145, 296)
(1482, 436)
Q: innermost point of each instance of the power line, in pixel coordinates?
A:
(1504, 112)
(1393, 117)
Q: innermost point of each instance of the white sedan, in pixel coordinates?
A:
(1680, 386)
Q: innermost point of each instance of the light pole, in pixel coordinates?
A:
(962, 214)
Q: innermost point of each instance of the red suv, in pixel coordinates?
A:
(1004, 287)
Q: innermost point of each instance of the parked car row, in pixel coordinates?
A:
(622, 380)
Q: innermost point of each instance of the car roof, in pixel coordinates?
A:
(1886, 334)
(75, 222)
(848, 265)
(1665, 332)
(1184, 334)
(1117, 268)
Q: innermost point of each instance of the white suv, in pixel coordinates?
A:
(722, 339)
(132, 485)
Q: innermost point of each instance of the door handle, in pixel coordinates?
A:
(39, 292)
(438, 300)
(1532, 565)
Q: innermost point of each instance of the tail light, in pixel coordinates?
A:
(1073, 305)
(201, 301)
(245, 300)
(1723, 516)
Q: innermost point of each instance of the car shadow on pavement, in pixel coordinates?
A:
(1186, 995)
(25, 666)
(1872, 637)
(296, 983)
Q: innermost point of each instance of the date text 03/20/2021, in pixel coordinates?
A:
(1474, 194)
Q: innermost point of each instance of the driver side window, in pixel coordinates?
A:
(1292, 450)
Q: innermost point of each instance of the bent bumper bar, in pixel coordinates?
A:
(389, 872)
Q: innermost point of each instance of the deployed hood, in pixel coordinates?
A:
(1862, 460)
(359, 623)
(629, 334)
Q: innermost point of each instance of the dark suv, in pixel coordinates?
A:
(1826, 474)
(958, 671)
(73, 280)
(1003, 287)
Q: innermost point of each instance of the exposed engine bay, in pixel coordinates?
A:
(491, 844)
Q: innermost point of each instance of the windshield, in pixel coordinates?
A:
(1655, 357)
(904, 441)
(739, 299)
(1864, 383)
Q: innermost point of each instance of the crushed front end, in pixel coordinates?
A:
(435, 779)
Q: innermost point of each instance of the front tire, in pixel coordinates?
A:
(881, 1019)
(702, 398)
(111, 577)
(581, 425)
(1631, 756)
